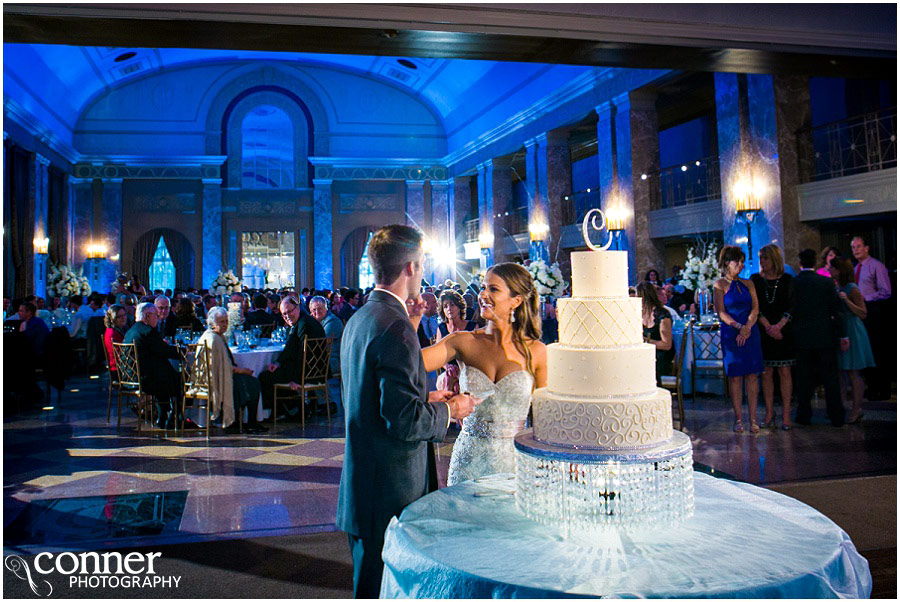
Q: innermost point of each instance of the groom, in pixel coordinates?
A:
(389, 416)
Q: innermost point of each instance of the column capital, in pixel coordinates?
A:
(319, 183)
(622, 102)
(559, 137)
(498, 163)
(415, 184)
(442, 183)
(41, 159)
(481, 167)
(211, 182)
(643, 99)
(112, 181)
(531, 143)
(73, 181)
(604, 110)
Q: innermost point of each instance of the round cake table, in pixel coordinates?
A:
(470, 541)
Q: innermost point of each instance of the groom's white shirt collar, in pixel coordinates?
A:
(395, 296)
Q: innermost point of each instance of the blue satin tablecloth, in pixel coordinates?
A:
(743, 542)
(706, 382)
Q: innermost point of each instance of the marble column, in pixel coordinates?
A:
(537, 205)
(461, 201)
(793, 114)
(415, 204)
(748, 152)
(620, 194)
(498, 185)
(554, 183)
(648, 253)
(82, 218)
(442, 230)
(323, 243)
(486, 216)
(211, 244)
(110, 225)
(606, 148)
(40, 177)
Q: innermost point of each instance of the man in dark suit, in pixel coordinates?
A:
(288, 366)
(389, 417)
(158, 377)
(818, 331)
(258, 316)
(351, 302)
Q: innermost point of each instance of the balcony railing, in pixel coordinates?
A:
(856, 145)
(577, 204)
(693, 182)
(472, 230)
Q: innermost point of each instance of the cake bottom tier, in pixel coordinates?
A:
(584, 490)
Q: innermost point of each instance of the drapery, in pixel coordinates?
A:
(182, 255)
(351, 253)
(17, 175)
(142, 256)
(58, 217)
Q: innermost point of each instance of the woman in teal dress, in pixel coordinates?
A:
(738, 309)
(859, 355)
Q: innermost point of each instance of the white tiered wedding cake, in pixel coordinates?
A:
(602, 451)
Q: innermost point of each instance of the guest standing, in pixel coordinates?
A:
(874, 283)
(452, 309)
(825, 257)
(818, 331)
(859, 356)
(657, 328)
(738, 309)
(773, 291)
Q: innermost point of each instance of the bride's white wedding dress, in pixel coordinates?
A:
(485, 445)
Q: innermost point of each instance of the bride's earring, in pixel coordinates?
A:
(512, 317)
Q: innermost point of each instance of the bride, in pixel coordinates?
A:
(501, 364)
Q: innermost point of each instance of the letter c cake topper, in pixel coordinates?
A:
(591, 218)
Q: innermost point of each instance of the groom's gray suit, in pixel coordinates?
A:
(388, 422)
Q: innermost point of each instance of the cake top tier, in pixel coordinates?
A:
(599, 274)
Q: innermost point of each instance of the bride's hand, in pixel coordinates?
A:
(462, 405)
(439, 396)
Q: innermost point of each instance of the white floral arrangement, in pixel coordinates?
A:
(548, 280)
(225, 283)
(235, 319)
(701, 270)
(63, 281)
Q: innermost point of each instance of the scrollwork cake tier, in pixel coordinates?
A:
(587, 423)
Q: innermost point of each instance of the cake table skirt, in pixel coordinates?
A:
(742, 542)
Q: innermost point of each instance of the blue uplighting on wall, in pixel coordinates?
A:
(267, 149)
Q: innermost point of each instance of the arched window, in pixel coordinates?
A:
(162, 270)
(366, 275)
(267, 149)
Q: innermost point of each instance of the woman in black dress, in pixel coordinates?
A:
(773, 289)
(657, 329)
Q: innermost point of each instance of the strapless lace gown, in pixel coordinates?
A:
(485, 445)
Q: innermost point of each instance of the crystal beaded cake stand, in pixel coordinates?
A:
(591, 489)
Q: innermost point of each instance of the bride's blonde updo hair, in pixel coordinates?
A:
(528, 317)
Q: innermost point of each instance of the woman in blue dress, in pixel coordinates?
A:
(859, 356)
(738, 309)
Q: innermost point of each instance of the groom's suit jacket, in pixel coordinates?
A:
(387, 415)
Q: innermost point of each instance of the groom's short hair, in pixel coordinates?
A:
(391, 248)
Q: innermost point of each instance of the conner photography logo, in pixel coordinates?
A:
(91, 570)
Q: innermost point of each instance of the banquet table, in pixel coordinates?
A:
(706, 382)
(257, 360)
(470, 541)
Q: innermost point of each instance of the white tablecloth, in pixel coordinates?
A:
(256, 359)
(743, 542)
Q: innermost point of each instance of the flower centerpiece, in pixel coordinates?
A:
(235, 320)
(63, 281)
(701, 270)
(548, 280)
(225, 283)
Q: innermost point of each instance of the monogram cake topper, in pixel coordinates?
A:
(591, 218)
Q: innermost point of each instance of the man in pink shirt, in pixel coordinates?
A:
(874, 283)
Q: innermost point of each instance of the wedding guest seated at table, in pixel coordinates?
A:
(34, 328)
(243, 299)
(164, 307)
(184, 318)
(116, 320)
(334, 328)
(83, 313)
(158, 377)
(272, 308)
(657, 328)
(209, 302)
(233, 388)
(288, 367)
(664, 299)
(258, 316)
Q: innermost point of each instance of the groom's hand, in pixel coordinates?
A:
(439, 396)
(415, 306)
(462, 405)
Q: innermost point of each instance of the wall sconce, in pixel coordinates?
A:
(41, 245)
(538, 231)
(96, 252)
(748, 206)
(486, 241)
